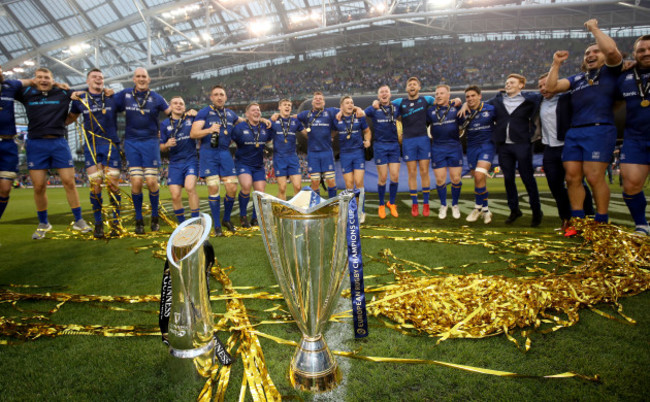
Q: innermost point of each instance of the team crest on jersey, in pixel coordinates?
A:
(595, 155)
(325, 114)
(128, 96)
(629, 77)
(412, 104)
(485, 114)
(170, 128)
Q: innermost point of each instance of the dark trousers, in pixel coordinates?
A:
(554, 171)
(514, 157)
(555, 176)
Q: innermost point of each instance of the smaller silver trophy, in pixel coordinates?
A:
(185, 300)
(305, 239)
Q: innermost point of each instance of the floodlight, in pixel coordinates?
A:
(442, 3)
(28, 63)
(19, 69)
(260, 27)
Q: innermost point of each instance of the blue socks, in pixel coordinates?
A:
(393, 193)
(96, 202)
(425, 195)
(228, 205)
(196, 213)
(331, 192)
(3, 204)
(137, 205)
(116, 200)
(180, 215)
(154, 197)
(381, 191)
(578, 213)
(637, 204)
(455, 192)
(77, 213)
(215, 209)
(414, 196)
(603, 218)
(442, 194)
(243, 203)
(42, 216)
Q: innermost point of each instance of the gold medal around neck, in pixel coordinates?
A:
(308, 129)
(591, 82)
(348, 136)
(257, 145)
(645, 103)
(103, 111)
(225, 132)
(285, 140)
(142, 112)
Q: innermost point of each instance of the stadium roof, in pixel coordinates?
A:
(176, 39)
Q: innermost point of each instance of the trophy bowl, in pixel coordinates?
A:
(305, 239)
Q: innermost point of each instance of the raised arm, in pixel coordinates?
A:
(553, 83)
(606, 44)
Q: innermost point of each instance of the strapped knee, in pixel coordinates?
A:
(481, 170)
(96, 178)
(315, 176)
(329, 175)
(212, 181)
(112, 172)
(136, 172)
(151, 172)
(4, 174)
(230, 180)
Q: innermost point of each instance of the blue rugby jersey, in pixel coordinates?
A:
(593, 103)
(479, 130)
(444, 124)
(97, 104)
(250, 142)
(284, 132)
(637, 117)
(46, 111)
(10, 89)
(185, 149)
(320, 137)
(383, 123)
(355, 127)
(141, 121)
(210, 116)
(414, 115)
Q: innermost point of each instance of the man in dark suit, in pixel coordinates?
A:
(514, 114)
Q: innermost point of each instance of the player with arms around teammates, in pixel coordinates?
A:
(101, 145)
(183, 161)
(285, 159)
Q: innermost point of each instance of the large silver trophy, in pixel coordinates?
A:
(305, 240)
(190, 331)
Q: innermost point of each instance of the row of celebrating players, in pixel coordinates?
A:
(575, 113)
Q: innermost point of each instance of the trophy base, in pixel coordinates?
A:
(313, 367)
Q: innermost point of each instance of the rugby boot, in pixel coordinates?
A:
(487, 216)
(425, 210)
(455, 211)
(442, 213)
(139, 227)
(254, 222)
(155, 226)
(382, 212)
(81, 226)
(474, 215)
(514, 215)
(537, 219)
(99, 230)
(228, 225)
(218, 232)
(244, 222)
(642, 230)
(41, 229)
(393, 209)
(414, 210)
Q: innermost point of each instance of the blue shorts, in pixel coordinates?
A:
(447, 155)
(48, 153)
(143, 153)
(416, 149)
(636, 151)
(590, 144)
(216, 163)
(386, 152)
(257, 172)
(106, 154)
(286, 165)
(480, 152)
(8, 155)
(352, 160)
(320, 162)
(180, 170)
